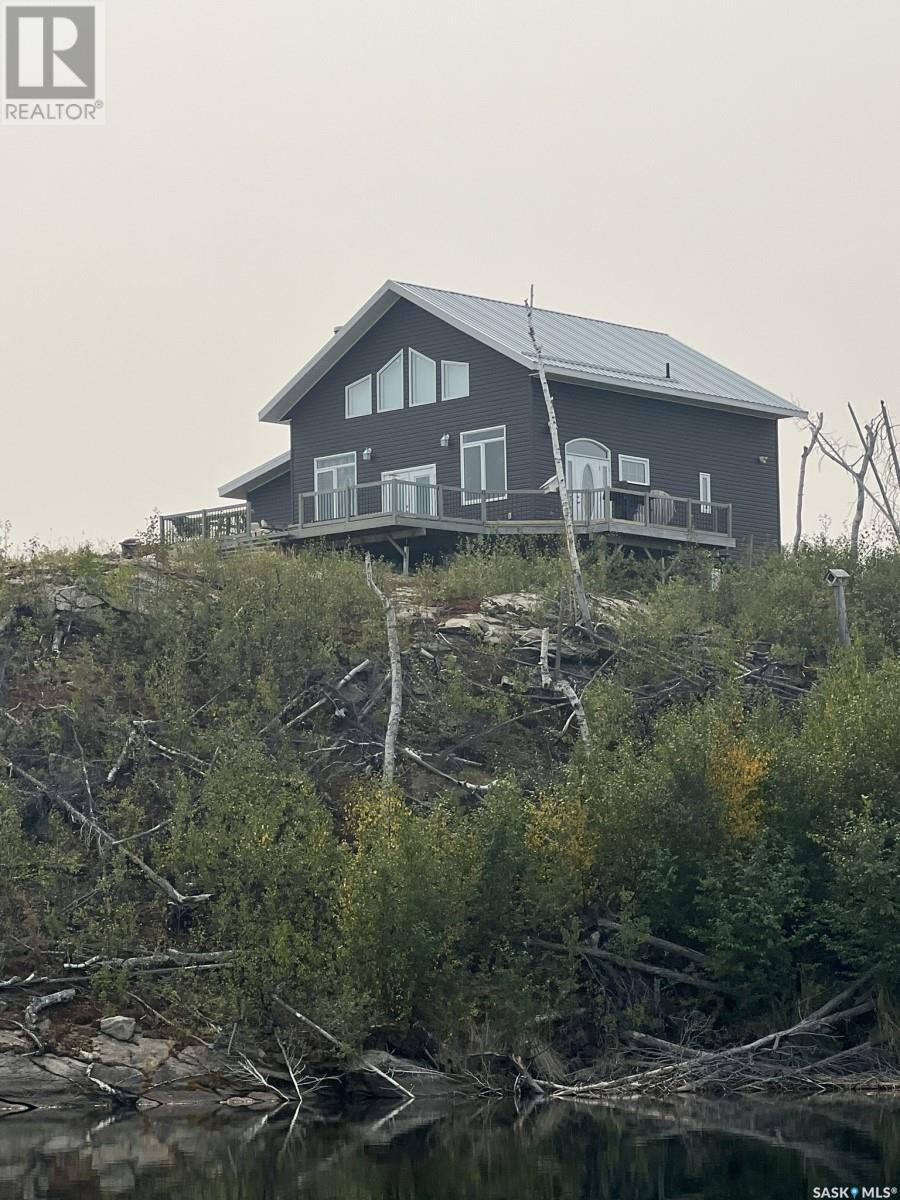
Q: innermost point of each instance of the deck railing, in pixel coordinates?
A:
(434, 503)
(231, 521)
(397, 501)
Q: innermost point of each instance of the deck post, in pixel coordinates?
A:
(349, 502)
(248, 520)
(162, 530)
(439, 501)
(483, 509)
(690, 515)
(204, 523)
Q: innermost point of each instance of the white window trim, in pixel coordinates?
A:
(413, 403)
(378, 405)
(347, 413)
(432, 467)
(326, 458)
(452, 362)
(464, 433)
(706, 501)
(634, 458)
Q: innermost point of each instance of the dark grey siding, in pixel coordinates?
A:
(680, 440)
(410, 437)
(272, 501)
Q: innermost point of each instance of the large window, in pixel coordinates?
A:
(483, 465)
(390, 384)
(454, 380)
(358, 397)
(422, 379)
(634, 470)
(335, 486)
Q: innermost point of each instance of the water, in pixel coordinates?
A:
(644, 1151)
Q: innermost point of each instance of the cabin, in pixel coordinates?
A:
(423, 418)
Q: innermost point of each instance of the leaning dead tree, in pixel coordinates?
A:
(816, 429)
(103, 839)
(564, 501)
(393, 637)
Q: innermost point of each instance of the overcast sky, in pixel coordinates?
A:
(728, 172)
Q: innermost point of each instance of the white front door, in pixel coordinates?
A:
(588, 476)
(411, 490)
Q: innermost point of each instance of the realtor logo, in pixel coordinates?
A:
(54, 60)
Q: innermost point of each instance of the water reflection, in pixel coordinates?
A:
(705, 1149)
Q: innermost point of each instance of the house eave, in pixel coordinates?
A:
(280, 406)
(777, 410)
(237, 489)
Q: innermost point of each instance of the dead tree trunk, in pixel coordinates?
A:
(869, 439)
(564, 688)
(393, 637)
(804, 455)
(564, 503)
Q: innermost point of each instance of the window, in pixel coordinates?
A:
(335, 486)
(634, 470)
(483, 463)
(705, 492)
(390, 384)
(358, 397)
(422, 379)
(454, 380)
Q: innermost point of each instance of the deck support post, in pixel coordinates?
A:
(483, 509)
(204, 524)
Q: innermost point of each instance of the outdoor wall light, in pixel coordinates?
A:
(367, 454)
(763, 458)
(445, 440)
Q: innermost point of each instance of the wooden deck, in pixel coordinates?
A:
(395, 510)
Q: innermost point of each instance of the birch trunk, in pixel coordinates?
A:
(393, 637)
(804, 455)
(564, 504)
(870, 437)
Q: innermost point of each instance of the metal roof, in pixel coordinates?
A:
(619, 357)
(237, 489)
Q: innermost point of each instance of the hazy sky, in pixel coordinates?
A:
(728, 172)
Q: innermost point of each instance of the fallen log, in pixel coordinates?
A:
(36, 1006)
(657, 942)
(165, 963)
(630, 964)
(703, 1069)
(366, 1064)
(104, 838)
